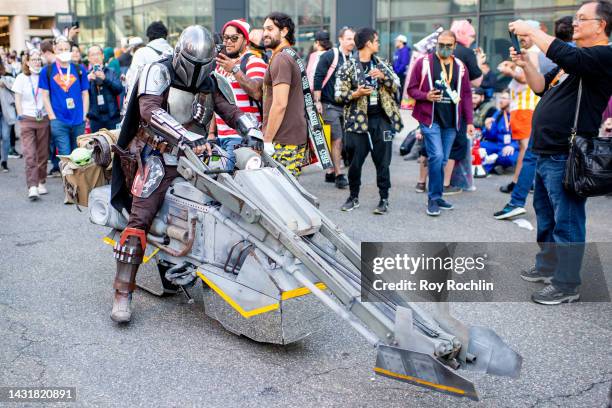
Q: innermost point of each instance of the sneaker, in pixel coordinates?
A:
(341, 181)
(443, 204)
(351, 204)
(507, 188)
(14, 154)
(330, 177)
(433, 208)
(4, 167)
(420, 187)
(533, 275)
(42, 190)
(54, 173)
(33, 193)
(383, 207)
(451, 190)
(509, 211)
(550, 295)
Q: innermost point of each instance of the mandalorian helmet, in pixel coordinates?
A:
(194, 56)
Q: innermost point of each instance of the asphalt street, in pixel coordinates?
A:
(55, 298)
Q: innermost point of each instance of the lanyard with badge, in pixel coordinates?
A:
(100, 95)
(447, 79)
(507, 134)
(66, 80)
(39, 114)
(373, 99)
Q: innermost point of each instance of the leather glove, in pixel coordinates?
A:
(269, 148)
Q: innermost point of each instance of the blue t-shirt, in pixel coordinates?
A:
(65, 93)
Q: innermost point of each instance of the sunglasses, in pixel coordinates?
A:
(233, 38)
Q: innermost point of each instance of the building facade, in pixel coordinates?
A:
(22, 20)
(106, 21)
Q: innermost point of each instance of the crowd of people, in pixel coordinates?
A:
(52, 93)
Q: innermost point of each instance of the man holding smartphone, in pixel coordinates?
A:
(104, 88)
(440, 85)
(366, 86)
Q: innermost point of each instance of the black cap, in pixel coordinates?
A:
(479, 91)
(322, 36)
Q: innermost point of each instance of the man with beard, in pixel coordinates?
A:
(144, 164)
(497, 140)
(244, 72)
(284, 121)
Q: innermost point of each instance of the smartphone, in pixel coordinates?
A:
(220, 49)
(515, 42)
(76, 24)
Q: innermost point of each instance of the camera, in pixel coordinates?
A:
(440, 85)
(369, 82)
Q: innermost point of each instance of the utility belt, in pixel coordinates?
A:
(155, 141)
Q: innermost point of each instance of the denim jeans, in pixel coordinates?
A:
(561, 218)
(438, 143)
(228, 144)
(64, 136)
(525, 179)
(5, 130)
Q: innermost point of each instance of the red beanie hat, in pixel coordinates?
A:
(241, 25)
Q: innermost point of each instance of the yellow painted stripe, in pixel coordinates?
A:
(146, 259)
(419, 381)
(300, 291)
(245, 313)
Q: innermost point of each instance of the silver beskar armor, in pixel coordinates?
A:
(194, 56)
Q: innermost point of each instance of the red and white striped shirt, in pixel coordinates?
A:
(255, 68)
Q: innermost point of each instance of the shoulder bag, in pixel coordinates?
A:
(588, 171)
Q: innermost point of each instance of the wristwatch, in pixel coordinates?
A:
(235, 69)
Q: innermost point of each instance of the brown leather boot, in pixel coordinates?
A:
(129, 252)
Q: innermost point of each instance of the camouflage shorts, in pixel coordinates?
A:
(290, 156)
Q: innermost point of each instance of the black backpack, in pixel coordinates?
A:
(243, 67)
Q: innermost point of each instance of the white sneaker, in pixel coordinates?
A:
(42, 189)
(33, 193)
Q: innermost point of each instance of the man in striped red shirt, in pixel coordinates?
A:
(245, 73)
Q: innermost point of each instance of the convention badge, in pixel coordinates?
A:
(388, 136)
(100, 99)
(507, 139)
(374, 97)
(39, 115)
(70, 103)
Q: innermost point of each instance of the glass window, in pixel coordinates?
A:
(416, 30)
(410, 8)
(494, 39)
(382, 9)
(489, 5)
